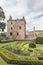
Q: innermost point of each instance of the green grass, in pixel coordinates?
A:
(2, 62)
(39, 33)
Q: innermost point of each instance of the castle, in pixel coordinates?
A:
(16, 30)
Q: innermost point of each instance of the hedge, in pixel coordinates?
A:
(20, 62)
(40, 57)
(6, 41)
(39, 40)
(32, 45)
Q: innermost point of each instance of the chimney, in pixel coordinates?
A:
(34, 30)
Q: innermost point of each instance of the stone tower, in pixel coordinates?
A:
(16, 29)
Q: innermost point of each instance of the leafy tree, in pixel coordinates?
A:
(3, 26)
(2, 14)
(2, 17)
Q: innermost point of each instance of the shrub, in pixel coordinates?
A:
(30, 50)
(40, 57)
(32, 45)
(25, 53)
(39, 40)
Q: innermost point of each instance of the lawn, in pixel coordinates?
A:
(2, 62)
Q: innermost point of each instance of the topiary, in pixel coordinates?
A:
(32, 45)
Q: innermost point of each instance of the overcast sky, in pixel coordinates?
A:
(31, 9)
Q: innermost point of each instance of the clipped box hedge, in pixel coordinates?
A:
(20, 62)
(40, 57)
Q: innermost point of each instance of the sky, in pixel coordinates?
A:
(32, 10)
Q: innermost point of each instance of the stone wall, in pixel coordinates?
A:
(16, 29)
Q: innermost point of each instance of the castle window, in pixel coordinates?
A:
(10, 33)
(11, 28)
(19, 27)
(11, 22)
(17, 33)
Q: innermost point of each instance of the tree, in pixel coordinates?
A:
(2, 14)
(2, 26)
(2, 17)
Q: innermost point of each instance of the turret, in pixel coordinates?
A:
(24, 19)
(10, 18)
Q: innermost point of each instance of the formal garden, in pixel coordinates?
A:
(21, 52)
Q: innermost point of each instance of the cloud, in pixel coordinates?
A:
(39, 16)
(16, 7)
(38, 5)
(31, 9)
